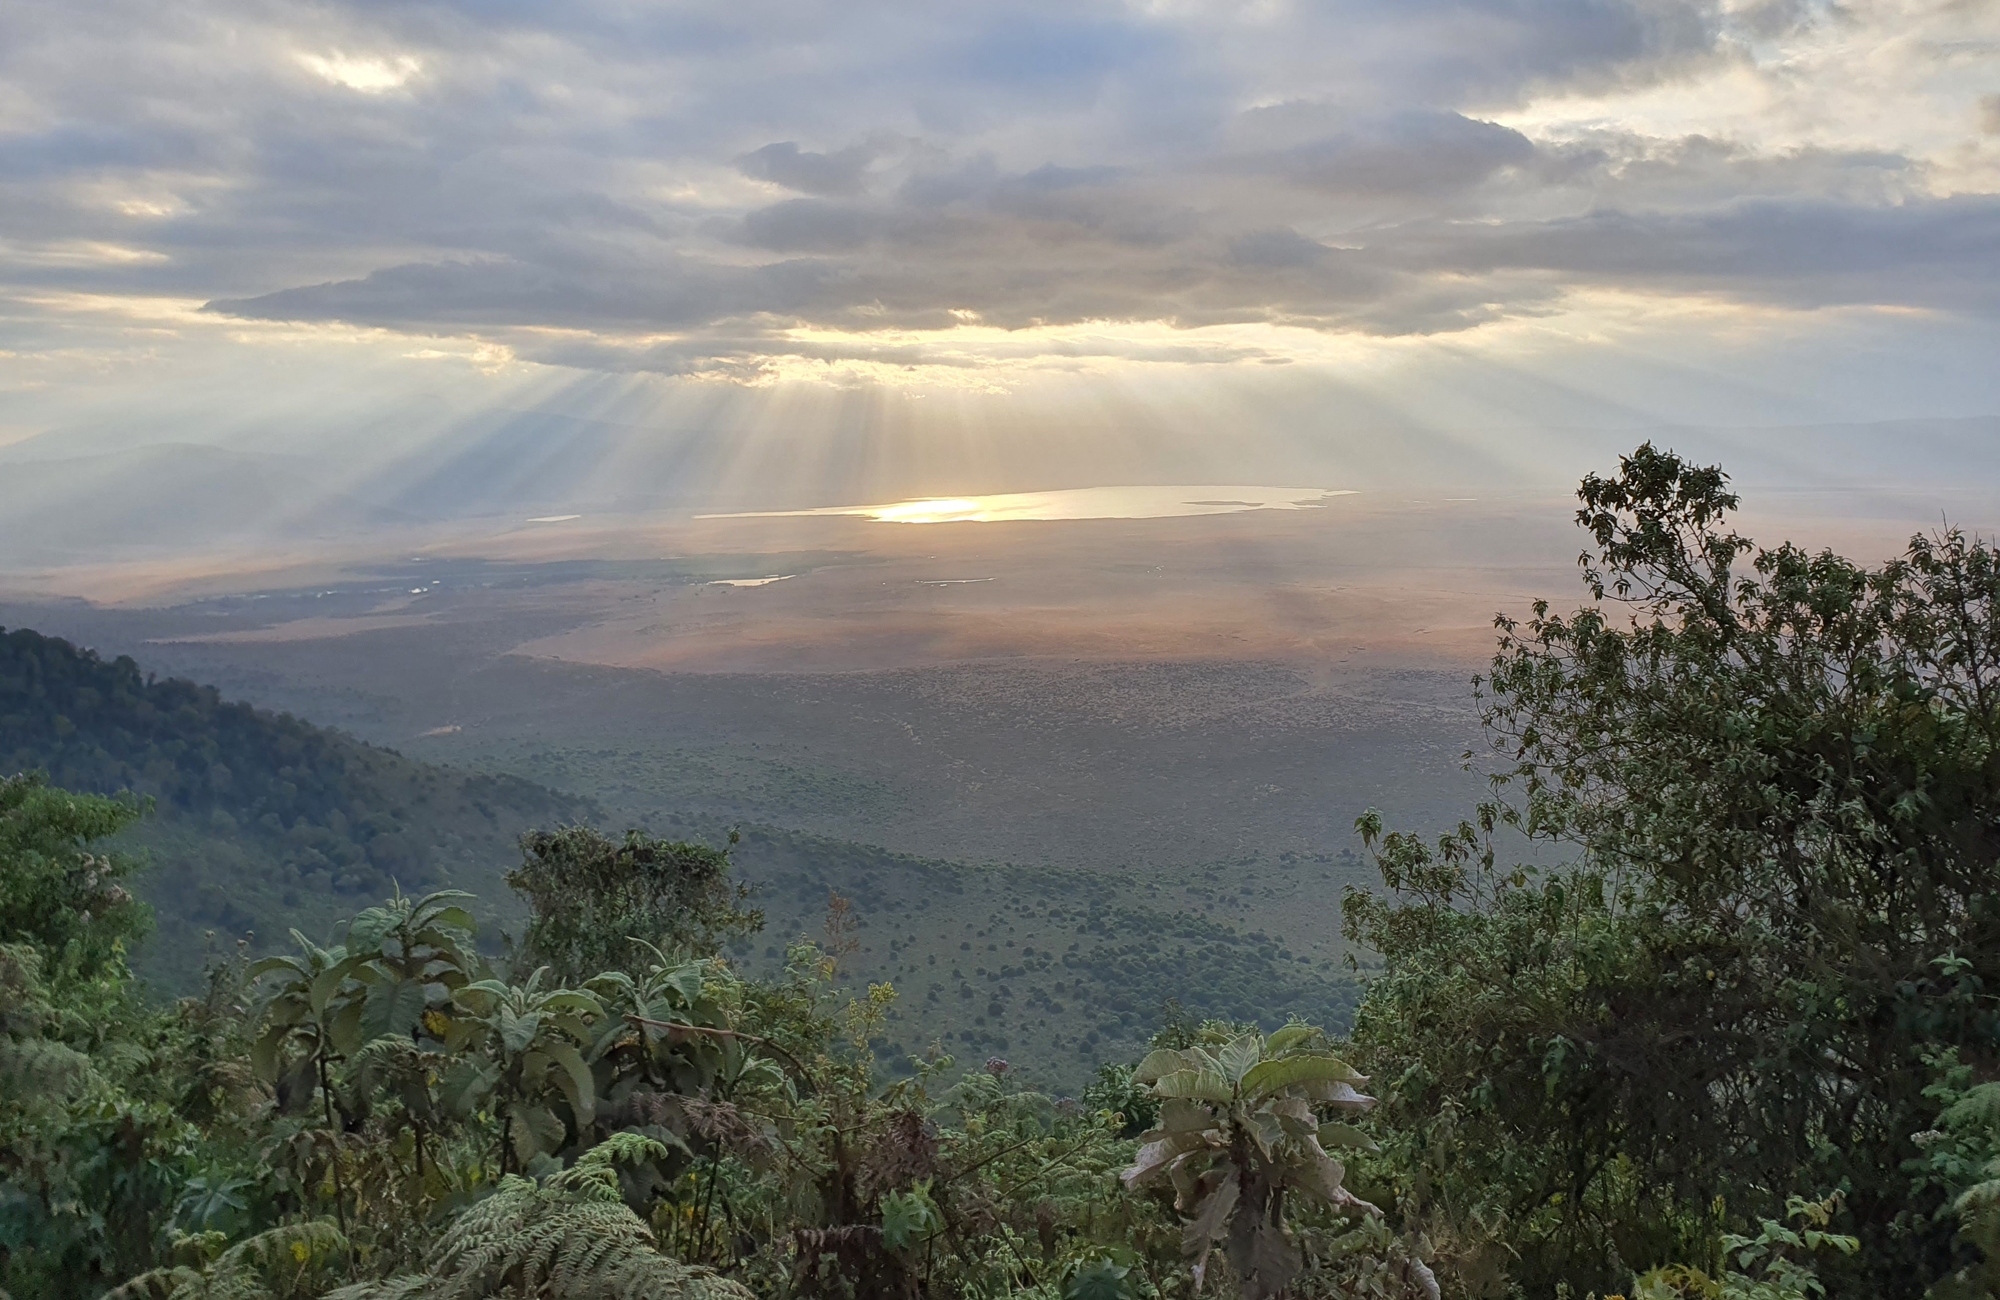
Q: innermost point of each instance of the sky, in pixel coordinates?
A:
(814, 253)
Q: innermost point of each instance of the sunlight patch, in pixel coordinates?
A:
(1072, 503)
(369, 76)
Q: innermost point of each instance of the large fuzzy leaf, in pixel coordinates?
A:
(1274, 1076)
(1284, 1040)
(1180, 1115)
(1210, 1217)
(326, 984)
(686, 981)
(1240, 1055)
(518, 1032)
(1194, 1085)
(1156, 1153)
(1336, 1093)
(1336, 1134)
(1188, 1177)
(391, 1009)
(481, 996)
(573, 1078)
(1264, 1259)
(466, 1086)
(368, 928)
(267, 965)
(1319, 1174)
(1162, 1061)
(345, 1029)
(535, 1130)
(264, 1051)
(570, 1000)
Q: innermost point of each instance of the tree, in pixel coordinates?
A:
(595, 903)
(55, 891)
(1777, 777)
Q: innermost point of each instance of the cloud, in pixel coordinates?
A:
(784, 163)
(698, 188)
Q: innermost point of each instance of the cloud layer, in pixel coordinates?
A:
(707, 188)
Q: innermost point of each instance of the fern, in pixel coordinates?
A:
(569, 1238)
(283, 1263)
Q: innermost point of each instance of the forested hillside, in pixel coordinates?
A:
(262, 822)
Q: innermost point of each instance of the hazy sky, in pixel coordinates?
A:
(1266, 223)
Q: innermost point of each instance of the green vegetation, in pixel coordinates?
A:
(1740, 1043)
(262, 821)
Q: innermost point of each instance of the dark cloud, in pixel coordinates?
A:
(785, 164)
(1410, 154)
(1928, 253)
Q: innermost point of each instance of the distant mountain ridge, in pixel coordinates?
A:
(262, 821)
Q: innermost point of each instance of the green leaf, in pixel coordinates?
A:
(264, 1052)
(467, 1085)
(573, 1077)
(345, 1030)
(1099, 1279)
(455, 918)
(1274, 1076)
(266, 965)
(908, 1217)
(518, 1032)
(535, 1130)
(391, 1009)
(1337, 1134)
(1336, 1093)
(1157, 1154)
(686, 981)
(1179, 1115)
(570, 1000)
(325, 984)
(1194, 1085)
(1160, 1061)
(1320, 1174)
(1240, 1054)
(368, 928)
(1284, 1040)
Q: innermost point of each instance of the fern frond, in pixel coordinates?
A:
(571, 1238)
(269, 1266)
(176, 1282)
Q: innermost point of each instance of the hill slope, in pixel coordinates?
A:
(262, 821)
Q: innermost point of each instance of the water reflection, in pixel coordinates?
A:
(1073, 503)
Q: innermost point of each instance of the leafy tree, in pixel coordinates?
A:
(596, 903)
(1776, 774)
(55, 892)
